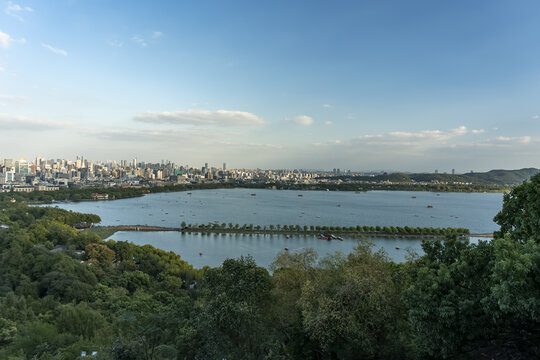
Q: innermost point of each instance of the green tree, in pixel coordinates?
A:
(520, 214)
(235, 321)
(353, 307)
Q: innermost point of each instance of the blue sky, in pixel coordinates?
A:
(361, 85)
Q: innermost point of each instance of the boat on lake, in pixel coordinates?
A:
(329, 237)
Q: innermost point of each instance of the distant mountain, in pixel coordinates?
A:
(495, 177)
(502, 177)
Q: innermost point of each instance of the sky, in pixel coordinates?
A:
(413, 85)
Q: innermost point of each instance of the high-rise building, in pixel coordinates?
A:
(453, 171)
(10, 175)
(8, 163)
(224, 166)
(21, 167)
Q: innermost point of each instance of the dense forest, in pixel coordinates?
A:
(65, 293)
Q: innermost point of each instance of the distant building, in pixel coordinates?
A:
(10, 175)
(21, 167)
(23, 189)
(47, 188)
(96, 196)
(8, 163)
(224, 166)
(453, 171)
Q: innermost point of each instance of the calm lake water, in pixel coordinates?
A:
(385, 208)
(391, 208)
(215, 248)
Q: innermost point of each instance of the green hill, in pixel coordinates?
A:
(493, 177)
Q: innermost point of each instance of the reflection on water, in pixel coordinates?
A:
(217, 247)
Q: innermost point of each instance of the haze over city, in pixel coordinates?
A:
(410, 86)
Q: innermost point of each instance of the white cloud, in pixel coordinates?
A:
(140, 136)
(437, 135)
(507, 139)
(15, 10)
(116, 43)
(2, 69)
(15, 122)
(328, 123)
(6, 40)
(397, 139)
(201, 118)
(139, 40)
(535, 117)
(54, 50)
(157, 35)
(13, 97)
(301, 120)
(327, 106)
(478, 131)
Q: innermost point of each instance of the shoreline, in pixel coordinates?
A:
(82, 195)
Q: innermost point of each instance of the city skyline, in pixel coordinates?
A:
(412, 86)
(133, 162)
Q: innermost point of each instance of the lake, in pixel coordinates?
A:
(474, 211)
(215, 248)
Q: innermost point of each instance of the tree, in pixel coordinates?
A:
(520, 214)
(99, 254)
(291, 271)
(235, 320)
(353, 307)
(8, 330)
(80, 320)
(476, 298)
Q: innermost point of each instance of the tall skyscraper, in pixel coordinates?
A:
(9, 163)
(224, 166)
(21, 167)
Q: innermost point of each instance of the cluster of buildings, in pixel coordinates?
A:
(52, 174)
